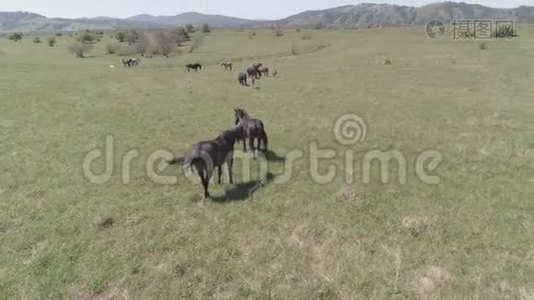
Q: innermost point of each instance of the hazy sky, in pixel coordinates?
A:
(257, 9)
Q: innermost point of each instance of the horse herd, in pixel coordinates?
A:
(256, 71)
(205, 156)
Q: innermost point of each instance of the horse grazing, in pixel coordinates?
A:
(207, 155)
(264, 71)
(134, 61)
(253, 73)
(228, 65)
(242, 78)
(131, 62)
(253, 129)
(195, 67)
(258, 67)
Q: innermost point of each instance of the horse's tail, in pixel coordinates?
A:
(177, 161)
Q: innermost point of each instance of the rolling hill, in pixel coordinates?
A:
(361, 15)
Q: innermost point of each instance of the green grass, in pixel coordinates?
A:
(469, 237)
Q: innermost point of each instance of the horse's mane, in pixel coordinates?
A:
(243, 112)
(231, 132)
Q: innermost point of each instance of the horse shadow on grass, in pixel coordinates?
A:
(243, 191)
(273, 157)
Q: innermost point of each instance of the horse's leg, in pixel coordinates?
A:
(230, 172)
(205, 182)
(219, 168)
(245, 145)
(265, 143)
(252, 147)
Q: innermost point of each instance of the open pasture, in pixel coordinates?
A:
(471, 236)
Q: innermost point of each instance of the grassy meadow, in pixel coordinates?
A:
(470, 237)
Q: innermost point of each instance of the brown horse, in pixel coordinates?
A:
(265, 71)
(253, 73)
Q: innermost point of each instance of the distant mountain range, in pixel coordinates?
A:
(361, 15)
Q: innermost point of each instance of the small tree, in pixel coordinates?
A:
(86, 37)
(165, 42)
(15, 37)
(132, 36)
(197, 43)
(190, 28)
(184, 33)
(52, 41)
(80, 49)
(120, 36)
(36, 40)
(143, 45)
(206, 28)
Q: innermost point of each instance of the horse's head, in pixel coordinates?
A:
(238, 113)
(235, 134)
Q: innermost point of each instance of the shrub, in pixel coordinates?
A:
(483, 46)
(190, 28)
(278, 33)
(52, 41)
(59, 34)
(80, 49)
(387, 61)
(112, 48)
(36, 40)
(15, 37)
(120, 36)
(306, 37)
(86, 37)
(206, 28)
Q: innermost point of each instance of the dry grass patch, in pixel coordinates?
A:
(432, 283)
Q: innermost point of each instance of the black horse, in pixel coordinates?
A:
(253, 73)
(207, 155)
(195, 67)
(253, 129)
(242, 79)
